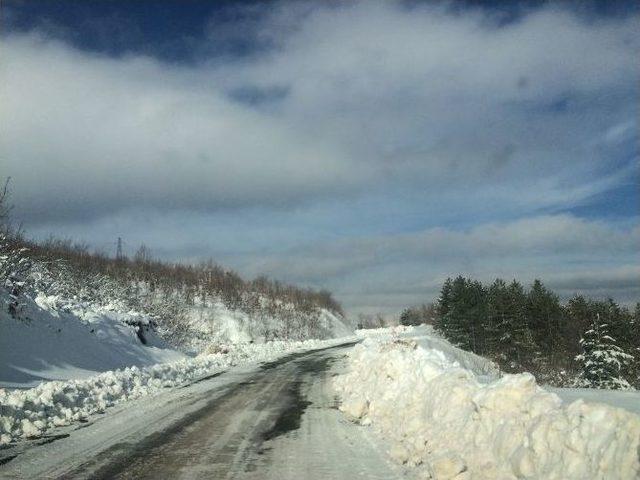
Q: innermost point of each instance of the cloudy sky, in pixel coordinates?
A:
(371, 148)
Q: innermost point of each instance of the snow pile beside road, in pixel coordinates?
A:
(444, 418)
(54, 340)
(30, 413)
(385, 331)
(427, 338)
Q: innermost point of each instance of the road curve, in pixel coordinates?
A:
(278, 421)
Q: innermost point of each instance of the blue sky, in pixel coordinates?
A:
(372, 148)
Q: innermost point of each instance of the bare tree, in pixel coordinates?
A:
(143, 254)
(5, 207)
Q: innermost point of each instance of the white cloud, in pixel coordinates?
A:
(101, 134)
(373, 93)
(412, 115)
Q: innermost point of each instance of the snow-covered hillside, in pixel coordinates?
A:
(56, 340)
(74, 341)
(51, 341)
(101, 355)
(452, 415)
(69, 314)
(214, 323)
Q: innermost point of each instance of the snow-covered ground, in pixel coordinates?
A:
(250, 423)
(627, 399)
(29, 413)
(62, 360)
(450, 414)
(57, 339)
(447, 412)
(214, 323)
(55, 342)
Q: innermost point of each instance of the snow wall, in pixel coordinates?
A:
(453, 423)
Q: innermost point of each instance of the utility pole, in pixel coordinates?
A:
(119, 254)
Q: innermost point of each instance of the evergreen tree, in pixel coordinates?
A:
(544, 316)
(578, 312)
(601, 359)
(465, 314)
(417, 315)
(508, 334)
(496, 322)
(443, 304)
(523, 341)
(455, 320)
(532, 330)
(621, 327)
(475, 315)
(409, 317)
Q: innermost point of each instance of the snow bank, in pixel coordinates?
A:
(427, 338)
(627, 399)
(456, 424)
(385, 331)
(31, 413)
(57, 341)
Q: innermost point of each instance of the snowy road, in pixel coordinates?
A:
(276, 421)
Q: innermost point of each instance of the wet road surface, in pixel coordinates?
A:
(279, 421)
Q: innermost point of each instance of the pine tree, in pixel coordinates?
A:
(506, 328)
(456, 320)
(475, 315)
(409, 317)
(601, 359)
(522, 346)
(544, 315)
(462, 323)
(496, 325)
(578, 311)
(443, 304)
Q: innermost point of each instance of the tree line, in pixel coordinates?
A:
(581, 342)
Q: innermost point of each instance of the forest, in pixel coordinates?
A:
(581, 342)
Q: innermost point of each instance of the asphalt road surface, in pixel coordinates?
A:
(276, 421)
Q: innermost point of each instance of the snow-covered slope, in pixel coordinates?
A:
(452, 420)
(65, 313)
(54, 342)
(58, 339)
(334, 326)
(215, 324)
